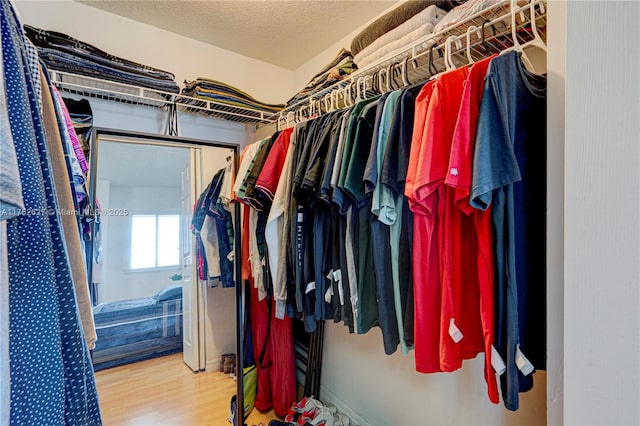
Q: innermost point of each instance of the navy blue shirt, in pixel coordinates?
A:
(509, 173)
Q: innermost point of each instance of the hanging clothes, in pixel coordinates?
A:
(11, 204)
(509, 175)
(52, 378)
(68, 215)
(459, 178)
(213, 227)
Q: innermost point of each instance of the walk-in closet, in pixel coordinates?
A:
(265, 212)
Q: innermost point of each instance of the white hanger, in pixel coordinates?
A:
(381, 78)
(390, 77)
(537, 40)
(469, 31)
(327, 106)
(448, 62)
(359, 96)
(405, 72)
(290, 118)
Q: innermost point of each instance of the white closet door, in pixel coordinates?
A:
(191, 300)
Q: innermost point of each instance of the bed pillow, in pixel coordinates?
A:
(170, 293)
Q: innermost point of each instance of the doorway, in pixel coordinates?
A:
(148, 300)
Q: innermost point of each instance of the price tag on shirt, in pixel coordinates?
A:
(497, 362)
(523, 363)
(454, 331)
(310, 287)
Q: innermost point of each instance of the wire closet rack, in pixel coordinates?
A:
(136, 95)
(499, 26)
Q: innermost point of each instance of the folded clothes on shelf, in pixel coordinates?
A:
(416, 27)
(65, 53)
(462, 12)
(212, 90)
(61, 61)
(395, 18)
(342, 65)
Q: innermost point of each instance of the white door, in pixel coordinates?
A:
(190, 287)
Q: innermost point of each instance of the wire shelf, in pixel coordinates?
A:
(136, 95)
(485, 33)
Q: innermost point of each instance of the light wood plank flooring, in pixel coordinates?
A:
(165, 392)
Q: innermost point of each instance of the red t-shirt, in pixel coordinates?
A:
(479, 254)
(431, 195)
(424, 253)
(267, 182)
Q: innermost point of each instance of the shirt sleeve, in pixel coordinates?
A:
(494, 161)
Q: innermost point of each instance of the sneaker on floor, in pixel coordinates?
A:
(307, 407)
(281, 423)
(340, 419)
(323, 417)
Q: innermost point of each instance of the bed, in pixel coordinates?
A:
(138, 329)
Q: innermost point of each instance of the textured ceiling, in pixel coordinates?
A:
(283, 33)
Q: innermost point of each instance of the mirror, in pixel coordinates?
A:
(146, 271)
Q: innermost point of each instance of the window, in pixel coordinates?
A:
(155, 241)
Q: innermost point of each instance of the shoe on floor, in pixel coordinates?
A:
(307, 407)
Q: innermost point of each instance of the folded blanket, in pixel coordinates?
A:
(417, 26)
(213, 90)
(394, 45)
(342, 65)
(394, 18)
(463, 12)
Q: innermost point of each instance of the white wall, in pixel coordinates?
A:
(119, 283)
(602, 224)
(305, 72)
(373, 388)
(556, 73)
(142, 43)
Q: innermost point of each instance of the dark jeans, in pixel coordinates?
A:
(56, 40)
(61, 61)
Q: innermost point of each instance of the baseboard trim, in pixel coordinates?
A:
(330, 398)
(212, 363)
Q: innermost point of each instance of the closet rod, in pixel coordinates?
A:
(495, 18)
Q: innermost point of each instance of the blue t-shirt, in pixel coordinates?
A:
(509, 173)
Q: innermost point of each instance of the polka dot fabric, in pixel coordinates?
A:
(52, 380)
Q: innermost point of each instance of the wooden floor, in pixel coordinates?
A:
(164, 391)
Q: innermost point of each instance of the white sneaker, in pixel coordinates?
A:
(324, 417)
(340, 419)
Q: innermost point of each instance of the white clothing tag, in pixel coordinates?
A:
(310, 287)
(337, 275)
(524, 365)
(497, 362)
(454, 331)
(341, 292)
(328, 294)
(330, 275)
